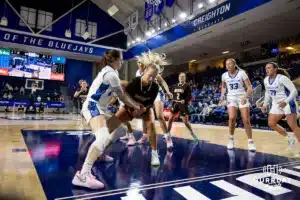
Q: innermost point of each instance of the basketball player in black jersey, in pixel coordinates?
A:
(182, 94)
(144, 90)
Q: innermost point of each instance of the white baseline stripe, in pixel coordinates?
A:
(297, 167)
(239, 192)
(291, 172)
(171, 183)
(190, 193)
(134, 197)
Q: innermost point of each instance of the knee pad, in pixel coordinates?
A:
(102, 138)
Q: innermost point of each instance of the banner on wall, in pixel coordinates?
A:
(148, 11)
(134, 20)
(127, 25)
(215, 15)
(170, 3)
(27, 103)
(7, 35)
(159, 8)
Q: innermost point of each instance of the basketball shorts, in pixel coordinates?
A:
(290, 108)
(236, 101)
(91, 109)
(181, 108)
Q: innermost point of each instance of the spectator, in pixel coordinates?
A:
(22, 90)
(48, 97)
(9, 96)
(80, 95)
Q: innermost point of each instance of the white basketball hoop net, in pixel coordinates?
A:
(154, 2)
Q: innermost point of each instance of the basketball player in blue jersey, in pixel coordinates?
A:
(234, 81)
(143, 61)
(281, 90)
(93, 109)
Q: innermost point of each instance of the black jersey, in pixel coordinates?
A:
(145, 95)
(182, 92)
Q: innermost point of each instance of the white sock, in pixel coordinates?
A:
(231, 137)
(96, 149)
(290, 134)
(250, 140)
(154, 151)
(90, 159)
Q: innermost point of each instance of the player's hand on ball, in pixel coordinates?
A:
(139, 112)
(170, 95)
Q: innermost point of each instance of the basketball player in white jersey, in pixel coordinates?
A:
(281, 90)
(234, 81)
(93, 109)
(143, 61)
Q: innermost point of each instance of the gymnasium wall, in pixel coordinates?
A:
(105, 23)
(77, 70)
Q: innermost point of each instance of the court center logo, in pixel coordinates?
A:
(271, 177)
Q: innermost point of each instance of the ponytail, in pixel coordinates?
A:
(283, 72)
(280, 70)
(109, 57)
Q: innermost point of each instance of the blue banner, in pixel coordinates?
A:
(170, 3)
(213, 16)
(27, 39)
(159, 8)
(148, 11)
(27, 103)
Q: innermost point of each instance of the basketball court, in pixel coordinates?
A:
(50, 47)
(40, 156)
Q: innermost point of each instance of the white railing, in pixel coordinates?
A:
(256, 95)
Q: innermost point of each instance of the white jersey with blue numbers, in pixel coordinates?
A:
(101, 88)
(279, 89)
(235, 84)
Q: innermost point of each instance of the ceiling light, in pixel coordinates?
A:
(158, 28)
(113, 10)
(128, 44)
(183, 15)
(148, 33)
(153, 31)
(200, 5)
(211, 1)
(3, 21)
(68, 33)
(86, 35)
(173, 20)
(225, 52)
(192, 61)
(289, 48)
(166, 24)
(138, 39)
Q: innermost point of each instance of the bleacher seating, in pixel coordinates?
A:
(13, 93)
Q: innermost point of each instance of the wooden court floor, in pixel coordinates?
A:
(18, 176)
